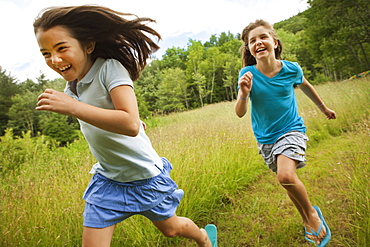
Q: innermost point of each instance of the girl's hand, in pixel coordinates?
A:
(330, 114)
(123, 119)
(245, 84)
(245, 87)
(55, 101)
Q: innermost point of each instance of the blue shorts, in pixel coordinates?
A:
(109, 202)
(292, 145)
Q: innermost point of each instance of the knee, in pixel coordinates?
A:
(286, 179)
(175, 226)
(170, 233)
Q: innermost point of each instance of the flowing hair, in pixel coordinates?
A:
(247, 58)
(128, 41)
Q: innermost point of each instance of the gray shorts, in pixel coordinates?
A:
(292, 145)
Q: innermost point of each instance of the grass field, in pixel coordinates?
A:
(215, 161)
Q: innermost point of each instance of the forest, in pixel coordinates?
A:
(330, 40)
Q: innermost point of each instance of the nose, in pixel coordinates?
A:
(55, 59)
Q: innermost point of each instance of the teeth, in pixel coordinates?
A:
(261, 49)
(64, 68)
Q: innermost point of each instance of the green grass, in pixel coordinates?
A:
(216, 163)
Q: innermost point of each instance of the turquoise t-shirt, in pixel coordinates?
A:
(274, 108)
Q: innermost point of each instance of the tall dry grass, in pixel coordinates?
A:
(215, 162)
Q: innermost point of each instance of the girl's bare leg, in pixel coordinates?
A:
(183, 227)
(288, 178)
(299, 207)
(97, 237)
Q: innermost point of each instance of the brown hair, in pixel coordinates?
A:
(127, 41)
(247, 58)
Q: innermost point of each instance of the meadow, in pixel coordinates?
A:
(216, 163)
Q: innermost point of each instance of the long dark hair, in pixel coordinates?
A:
(128, 41)
(247, 58)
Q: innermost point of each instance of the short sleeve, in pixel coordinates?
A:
(114, 74)
(299, 77)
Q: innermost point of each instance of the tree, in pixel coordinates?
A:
(339, 36)
(290, 44)
(146, 87)
(22, 114)
(231, 68)
(200, 83)
(8, 88)
(172, 94)
(213, 41)
(174, 57)
(224, 38)
(195, 57)
(31, 86)
(293, 25)
(58, 84)
(209, 67)
(231, 47)
(59, 127)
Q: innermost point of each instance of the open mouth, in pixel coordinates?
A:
(64, 68)
(261, 50)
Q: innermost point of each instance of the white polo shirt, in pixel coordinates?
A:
(120, 158)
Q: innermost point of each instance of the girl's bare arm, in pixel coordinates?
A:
(124, 119)
(311, 93)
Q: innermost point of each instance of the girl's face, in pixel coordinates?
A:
(261, 44)
(64, 54)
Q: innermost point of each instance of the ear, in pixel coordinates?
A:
(276, 44)
(90, 47)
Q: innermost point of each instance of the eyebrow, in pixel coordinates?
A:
(57, 44)
(261, 34)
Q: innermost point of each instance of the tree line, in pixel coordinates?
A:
(330, 40)
(18, 115)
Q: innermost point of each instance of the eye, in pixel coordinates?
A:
(62, 48)
(46, 54)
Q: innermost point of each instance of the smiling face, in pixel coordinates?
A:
(261, 44)
(63, 53)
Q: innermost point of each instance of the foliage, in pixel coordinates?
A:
(175, 57)
(146, 88)
(18, 110)
(338, 35)
(172, 90)
(207, 73)
(290, 44)
(292, 25)
(22, 114)
(59, 127)
(330, 40)
(16, 151)
(12, 154)
(8, 88)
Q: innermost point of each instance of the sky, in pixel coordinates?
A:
(176, 20)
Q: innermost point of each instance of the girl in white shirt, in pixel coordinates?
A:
(99, 53)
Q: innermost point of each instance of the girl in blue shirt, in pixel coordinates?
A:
(99, 53)
(280, 132)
